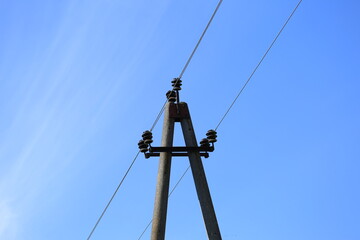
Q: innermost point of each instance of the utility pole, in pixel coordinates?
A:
(176, 111)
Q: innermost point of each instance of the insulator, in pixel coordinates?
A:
(143, 146)
(147, 137)
(176, 83)
(171, 96)
(211, 136)
(148, 141)
(204, 143)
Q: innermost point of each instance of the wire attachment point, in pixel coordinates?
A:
(176, 84)
(211, 136)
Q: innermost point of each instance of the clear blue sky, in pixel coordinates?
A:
(81, 80)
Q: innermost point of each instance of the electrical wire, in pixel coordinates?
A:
(188, 60)
(199, 41)
(172, 190)
(112, 197)
(253, 72)
(178, 79)
(156, 121)
(257, 66)
(158, 116)
(163, 107)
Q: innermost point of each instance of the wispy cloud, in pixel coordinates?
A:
(8, 222)
(50, 125)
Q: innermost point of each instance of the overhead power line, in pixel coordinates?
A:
(257, 66)
(153, 126)
(241, 90)
(113, 195)
(199, 41)
(189, 60)
(221, 120)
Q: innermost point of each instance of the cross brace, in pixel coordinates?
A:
(179, 151)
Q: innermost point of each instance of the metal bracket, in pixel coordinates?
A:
(179, 151)
(148, 155)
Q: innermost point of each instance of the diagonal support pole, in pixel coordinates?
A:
(201, 184)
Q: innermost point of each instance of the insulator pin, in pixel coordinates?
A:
(211, 136)
(176, 84)
(143, 146)
(204, 143)
(147, 137)
(171, 96)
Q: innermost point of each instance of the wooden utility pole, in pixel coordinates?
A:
(163, 179)
(201, 185)
(176, 111)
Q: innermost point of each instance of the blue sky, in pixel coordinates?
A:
(81, 80)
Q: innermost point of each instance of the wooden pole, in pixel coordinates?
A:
(201, 185)
(163, 178)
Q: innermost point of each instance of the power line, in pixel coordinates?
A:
(199, 41)
(233, 101)
(179, 78)
(241, 90)
(158, 116)
(125, 175)
(122, 180)
(189, 60)
(112, 197)
(155, 122)
(172, 190)
(257, 66)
